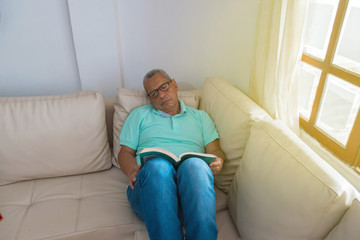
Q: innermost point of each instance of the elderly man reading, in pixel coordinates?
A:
(164, 196)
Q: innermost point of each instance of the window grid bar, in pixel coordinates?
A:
(351, 77)
(335, 34)
(336, 148)
(345, 74)
(357, 162)
(318, 96)
(353, 145)
(312, 61)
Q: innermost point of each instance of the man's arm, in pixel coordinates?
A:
(214, 148)
(128, 163)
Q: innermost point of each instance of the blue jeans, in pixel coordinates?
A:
(167, 198)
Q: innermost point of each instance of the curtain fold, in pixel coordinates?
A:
(274, 80)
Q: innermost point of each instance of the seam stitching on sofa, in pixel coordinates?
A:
(79, 204)
(84, 93)
(64, 198)
(322, 217)
(27, 209)
(91, 229)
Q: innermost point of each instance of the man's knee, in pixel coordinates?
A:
(195, 165)
(159, 169)
(194, 162)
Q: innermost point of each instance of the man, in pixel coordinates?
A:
(166, 197)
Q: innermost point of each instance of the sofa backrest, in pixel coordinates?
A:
(232, 112)
(52, 136)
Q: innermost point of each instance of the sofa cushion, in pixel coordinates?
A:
(52, 136)
(88, 206)
(129, 99)
(232, 112)
(283, 190)
(348, 228)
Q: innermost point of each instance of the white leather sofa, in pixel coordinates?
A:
(59, 177)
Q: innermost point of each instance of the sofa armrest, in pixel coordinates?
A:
(283, 190)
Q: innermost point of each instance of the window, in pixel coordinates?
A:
(329, 92)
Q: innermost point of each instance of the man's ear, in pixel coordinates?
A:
(175, 84)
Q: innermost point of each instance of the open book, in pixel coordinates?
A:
(148, 153)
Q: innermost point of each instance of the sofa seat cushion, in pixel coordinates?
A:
(283, 190)
(226, 228)
(68, 207)
(88, 206)
(232, 112)
(51, 136)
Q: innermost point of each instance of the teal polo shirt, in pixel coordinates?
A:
(189, 131)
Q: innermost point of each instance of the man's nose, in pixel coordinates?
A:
(162, 94)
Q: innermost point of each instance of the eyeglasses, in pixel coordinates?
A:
(163, 87)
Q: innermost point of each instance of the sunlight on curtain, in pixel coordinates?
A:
(273, 79)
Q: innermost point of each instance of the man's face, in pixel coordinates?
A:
(166, 100)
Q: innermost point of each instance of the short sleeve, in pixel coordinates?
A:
(129, 135)
(208, 128)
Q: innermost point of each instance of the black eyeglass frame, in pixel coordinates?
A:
(163, 87)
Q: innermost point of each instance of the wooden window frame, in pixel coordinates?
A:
(350, 154)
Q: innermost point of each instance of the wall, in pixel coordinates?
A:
(36, 48)
(58, 46)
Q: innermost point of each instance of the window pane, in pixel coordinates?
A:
(338, 109)
(309, 80)
(318, 26)
(348, 50)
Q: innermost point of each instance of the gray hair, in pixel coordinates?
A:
(151, 73)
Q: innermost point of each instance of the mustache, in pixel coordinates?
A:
(165, 100)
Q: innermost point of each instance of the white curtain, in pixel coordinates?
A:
(274, 79)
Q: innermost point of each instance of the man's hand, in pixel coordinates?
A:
(214, 148)
(216, 165)
(128, 164)
(132, 176)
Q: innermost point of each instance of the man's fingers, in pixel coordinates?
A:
(133, 179)
(131, 184)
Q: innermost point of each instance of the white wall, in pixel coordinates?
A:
(60, 46)
(189, 39)
(95, 30)
(36, 48)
